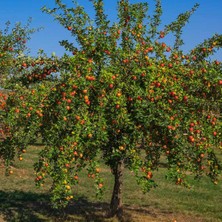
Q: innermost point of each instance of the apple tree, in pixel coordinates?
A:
(12, 48)
(125, 97)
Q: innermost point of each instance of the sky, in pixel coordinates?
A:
(205, 22)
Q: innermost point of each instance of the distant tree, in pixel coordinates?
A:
(12, 46)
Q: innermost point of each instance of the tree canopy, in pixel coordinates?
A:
(125, 97)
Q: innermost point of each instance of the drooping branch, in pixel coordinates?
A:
(207, 48)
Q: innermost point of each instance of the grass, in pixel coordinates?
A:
(20, 200)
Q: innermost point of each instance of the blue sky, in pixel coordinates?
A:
(205, 22)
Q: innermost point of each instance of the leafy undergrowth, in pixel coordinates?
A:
(20, 200)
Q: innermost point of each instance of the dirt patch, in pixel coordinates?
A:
(141, 214)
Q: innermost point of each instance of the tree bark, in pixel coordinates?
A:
(116, 208)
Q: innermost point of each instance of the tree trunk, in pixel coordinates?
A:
(116, 201)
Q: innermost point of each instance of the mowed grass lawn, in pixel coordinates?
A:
(20, 200)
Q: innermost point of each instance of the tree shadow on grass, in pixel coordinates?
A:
(34, 207)
(22, 206)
